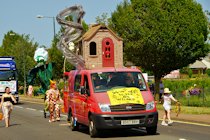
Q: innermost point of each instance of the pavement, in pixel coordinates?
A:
(199, 119)
(202, 119)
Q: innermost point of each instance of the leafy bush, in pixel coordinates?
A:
(190, 73)
(179, 87)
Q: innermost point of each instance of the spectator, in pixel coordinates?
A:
(167, 106)
(161, 86)
(152, 88)
(30, 90)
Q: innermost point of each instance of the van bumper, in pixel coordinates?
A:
(115, 121)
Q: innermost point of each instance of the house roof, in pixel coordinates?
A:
(200, 64)
(94, 29)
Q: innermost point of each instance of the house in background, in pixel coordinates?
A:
(175, 74)
(200, 66)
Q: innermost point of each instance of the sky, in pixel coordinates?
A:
(20, 15)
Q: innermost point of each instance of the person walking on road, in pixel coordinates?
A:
(167, 97)
(6, 105)
(53, 97)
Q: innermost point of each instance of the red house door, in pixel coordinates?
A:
(108, 52)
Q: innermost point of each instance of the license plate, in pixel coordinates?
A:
(129, 122)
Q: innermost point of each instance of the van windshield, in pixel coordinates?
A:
(103, 81)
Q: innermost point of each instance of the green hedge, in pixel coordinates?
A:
(178, 86)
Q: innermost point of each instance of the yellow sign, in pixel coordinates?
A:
(125, 96)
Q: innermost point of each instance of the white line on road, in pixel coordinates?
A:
(31, 109)
(64, 115)
(64, 124)
(18, 106)
(186, 122)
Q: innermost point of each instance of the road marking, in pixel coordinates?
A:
(18, 106)
(64, 115)
(64, 124)
(33, 102)
(193, 123)
(184, 122)
(31, 109)
(182, 139)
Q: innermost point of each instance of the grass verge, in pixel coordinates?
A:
(188, 109)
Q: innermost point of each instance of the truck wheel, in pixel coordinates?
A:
(151, 130)
(92, 128)
(73, 125)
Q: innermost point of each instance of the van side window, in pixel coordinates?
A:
(86, 84)
(77, 82)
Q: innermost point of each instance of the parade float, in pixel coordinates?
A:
(101, 93)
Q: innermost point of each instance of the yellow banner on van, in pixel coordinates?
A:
(125, 96)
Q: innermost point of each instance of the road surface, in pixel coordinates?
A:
(28, 123)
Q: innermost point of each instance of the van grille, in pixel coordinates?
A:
(127, 107)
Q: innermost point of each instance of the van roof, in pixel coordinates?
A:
(111, 69)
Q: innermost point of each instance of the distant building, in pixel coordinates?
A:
(200, 66)
(173, 74)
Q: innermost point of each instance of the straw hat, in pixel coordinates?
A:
(166, 90)
(52, 83)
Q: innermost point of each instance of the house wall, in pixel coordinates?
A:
(91, 61)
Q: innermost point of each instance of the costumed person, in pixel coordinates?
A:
(167, 97)
(53, 99)
(7, 106)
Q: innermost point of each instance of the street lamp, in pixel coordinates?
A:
(40, 16)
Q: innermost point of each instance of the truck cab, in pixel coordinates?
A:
(109, 98)
(8, 76)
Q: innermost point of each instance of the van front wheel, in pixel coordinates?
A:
(73, 123)
(151, 130)
(92, 128)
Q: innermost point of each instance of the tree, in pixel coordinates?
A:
(8, 42)
(57, 58)
(103, 19)
(161, 35)
(22, 48)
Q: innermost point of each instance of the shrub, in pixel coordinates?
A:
(190, 73)
(180, 86)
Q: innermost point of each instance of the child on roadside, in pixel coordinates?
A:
(167, 97)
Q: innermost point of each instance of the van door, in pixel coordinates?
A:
(84, 100)
(76, 109)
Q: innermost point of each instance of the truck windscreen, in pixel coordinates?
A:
(8, 75)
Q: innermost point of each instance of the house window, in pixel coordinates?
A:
(92, 48)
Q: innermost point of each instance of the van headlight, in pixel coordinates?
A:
(150, 105)
(104, 107)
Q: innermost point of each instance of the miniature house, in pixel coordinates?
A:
(101, 48)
